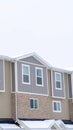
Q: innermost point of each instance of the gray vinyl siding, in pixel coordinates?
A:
(31, 88)
(1, 76)
(56, 92)
(70, 87)
(31, 59)
(13, 77)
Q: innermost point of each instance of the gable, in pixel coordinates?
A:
(31, 59)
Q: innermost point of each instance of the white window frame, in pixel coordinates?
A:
(24, 65)
(36, 76)
(58, 111)
(58, 80)
(37, 102)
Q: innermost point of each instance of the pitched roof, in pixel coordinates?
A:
(37, 57)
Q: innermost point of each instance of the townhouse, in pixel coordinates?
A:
(30, 88)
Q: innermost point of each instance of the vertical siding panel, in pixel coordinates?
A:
(1, 75)
(56, 92)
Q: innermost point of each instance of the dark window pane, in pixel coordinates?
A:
(55, 108)
(36, 104)
(31, 103)
(26, 78)
(58, 85)
(39, 80)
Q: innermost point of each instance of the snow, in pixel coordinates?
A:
(35, 124)
(38, 124)
(5, 125)
(69, 126)
(46, 124)
(60, 124)
(70, 68)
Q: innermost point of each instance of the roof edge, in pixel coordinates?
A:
(37, 57)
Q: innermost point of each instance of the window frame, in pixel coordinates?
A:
(24, 65)
(58, 111)
(39, 76)
(58, 81)
(34, 103)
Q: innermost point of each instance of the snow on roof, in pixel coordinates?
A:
(70, 68)
(49, 123)
(60, 124)
(5, 57)
(46, 124)
(39, 124)
(61, 70)
(35, 124)
(6, 126)
(36, 56)
(69, 126)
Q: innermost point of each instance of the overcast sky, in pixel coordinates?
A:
(41, 26)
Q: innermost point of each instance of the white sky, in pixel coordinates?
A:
(41, 26)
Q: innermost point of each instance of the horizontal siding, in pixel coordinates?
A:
(32, 88)
(56, 92)
(31, 59)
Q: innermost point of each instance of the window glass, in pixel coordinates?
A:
(39, 73)
(25, 74)
(58, 84)
(25, 70)
(34, 103)
(39, 76)
(31, 103)
(57, 106)
(58, 77)
(58, 80)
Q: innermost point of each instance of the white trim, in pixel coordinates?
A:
(40, 77)
(16, 89)
(25, 62)
(37, 102)
(31, 93)
(61, 70)
(24, 65)
(4, 73)
(58, 97)
(57, 111)
(58, 80)
(37, 57)
(52, 81)
(11, 75)
(16, 81)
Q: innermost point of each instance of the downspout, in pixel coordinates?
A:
(16, 85)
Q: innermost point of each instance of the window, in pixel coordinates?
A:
(58, 84)
(56, 106)
(39, 76)
(25, 74)
(34, 103)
